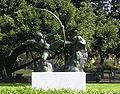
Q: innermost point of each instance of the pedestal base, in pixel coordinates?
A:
(58, 80)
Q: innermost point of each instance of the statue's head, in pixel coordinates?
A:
(79, 40)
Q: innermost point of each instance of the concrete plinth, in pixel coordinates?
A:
(58, 80)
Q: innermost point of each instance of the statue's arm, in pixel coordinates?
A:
(32, 41)
(61, 42)
(58, 44)
(51, 34)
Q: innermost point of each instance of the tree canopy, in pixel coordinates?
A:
(20, 20)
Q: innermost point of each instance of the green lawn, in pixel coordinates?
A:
(91, 89)
(106, 87)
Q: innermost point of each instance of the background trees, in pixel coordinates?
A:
(19, 21)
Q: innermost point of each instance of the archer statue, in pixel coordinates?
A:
(75, 52)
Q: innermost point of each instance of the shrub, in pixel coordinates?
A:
(109, 64)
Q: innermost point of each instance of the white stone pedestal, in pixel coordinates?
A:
(58, 80)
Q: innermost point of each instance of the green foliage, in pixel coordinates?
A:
(16, 23)
(19, 21)
(115, 10)
(90, 65)
(85, 22)
(106, 30)
(109, 64)
(105, 35)
(91, 89)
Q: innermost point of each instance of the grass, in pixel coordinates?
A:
(18, 88)
(106, 87)
(24, 72)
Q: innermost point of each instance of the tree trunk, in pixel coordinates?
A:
(102, 58)
(2, 68)
(11, 59)
(23, 66)
(101, 64)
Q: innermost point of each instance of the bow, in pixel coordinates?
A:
(61, 27)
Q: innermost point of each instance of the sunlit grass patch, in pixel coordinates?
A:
(91, 89)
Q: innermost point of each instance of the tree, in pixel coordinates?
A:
(19, 21)
(110, 7)
(105, 37)
(115, 9)
(117, 49)
(85, 20)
